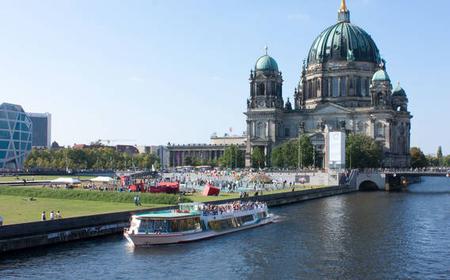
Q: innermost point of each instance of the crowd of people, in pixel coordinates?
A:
(212, 209)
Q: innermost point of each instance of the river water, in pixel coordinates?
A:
(374, 235)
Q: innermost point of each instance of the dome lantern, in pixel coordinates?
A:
(343, 13)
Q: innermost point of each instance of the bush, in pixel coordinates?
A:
(124, 197)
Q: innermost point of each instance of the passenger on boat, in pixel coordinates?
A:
(210, 209)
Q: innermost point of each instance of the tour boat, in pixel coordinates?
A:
(195, 221)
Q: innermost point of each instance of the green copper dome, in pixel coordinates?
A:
(266, 63)
(381, 76)
(343, 42)
(399, 91)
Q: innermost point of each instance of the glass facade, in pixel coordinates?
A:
(41, 134)
(15, 136)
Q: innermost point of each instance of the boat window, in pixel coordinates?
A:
(243, 219)
(262, 215)
(146, 226)
(222, 224)
(229, 223)
(160, 226)
(185, 224)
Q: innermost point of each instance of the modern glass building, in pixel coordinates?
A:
(42, 130)
(15, 136)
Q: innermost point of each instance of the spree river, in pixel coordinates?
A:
(373, 235)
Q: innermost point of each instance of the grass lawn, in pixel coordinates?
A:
(38, 178)
(17, 209)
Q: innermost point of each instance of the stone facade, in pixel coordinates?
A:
(178, 154)
(343, 86)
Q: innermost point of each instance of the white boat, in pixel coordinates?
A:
(195, 221)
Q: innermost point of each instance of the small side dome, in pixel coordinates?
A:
(266, 63)
(381, 76)
(399, 91)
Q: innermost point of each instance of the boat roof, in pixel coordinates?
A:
(167, 214)
(190, 203)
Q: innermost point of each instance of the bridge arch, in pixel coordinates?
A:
(368, 185)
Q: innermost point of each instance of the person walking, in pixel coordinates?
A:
(139, 201)
(58, 215)
(52, 215)
(43, 216)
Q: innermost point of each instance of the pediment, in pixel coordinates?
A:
(331, 108)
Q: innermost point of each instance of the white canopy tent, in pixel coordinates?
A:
(63, 180)
(102, 179)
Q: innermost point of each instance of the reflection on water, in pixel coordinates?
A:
(358, 236)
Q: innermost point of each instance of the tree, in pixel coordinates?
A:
(306, 151)
(278, 157)
(232, 157)
(440, 156)
(418, 159)
(188, 161)
(258, 158)
(432, 160)
(362, 151)
(88, 158)
(446, 161)
(294, 153)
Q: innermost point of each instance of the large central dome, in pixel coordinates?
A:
(343, 42)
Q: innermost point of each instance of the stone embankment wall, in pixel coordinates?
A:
(28, 235)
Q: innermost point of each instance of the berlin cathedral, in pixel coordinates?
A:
(344, 86)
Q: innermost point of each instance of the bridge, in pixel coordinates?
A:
(389, 180)
(425, 173)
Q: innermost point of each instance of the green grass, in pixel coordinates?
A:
(39, 178)
(17, 209)
(89, 195)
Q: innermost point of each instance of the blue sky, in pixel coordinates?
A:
(177, 70)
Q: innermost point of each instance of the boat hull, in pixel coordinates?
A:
(143, 240)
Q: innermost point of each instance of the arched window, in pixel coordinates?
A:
(380, 130)
(335, 87)
(261, 89)
(261, 130)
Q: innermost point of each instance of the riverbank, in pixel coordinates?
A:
(28, 235)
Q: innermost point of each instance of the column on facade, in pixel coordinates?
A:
(347, 85)
(388, 133)
(320, 88)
